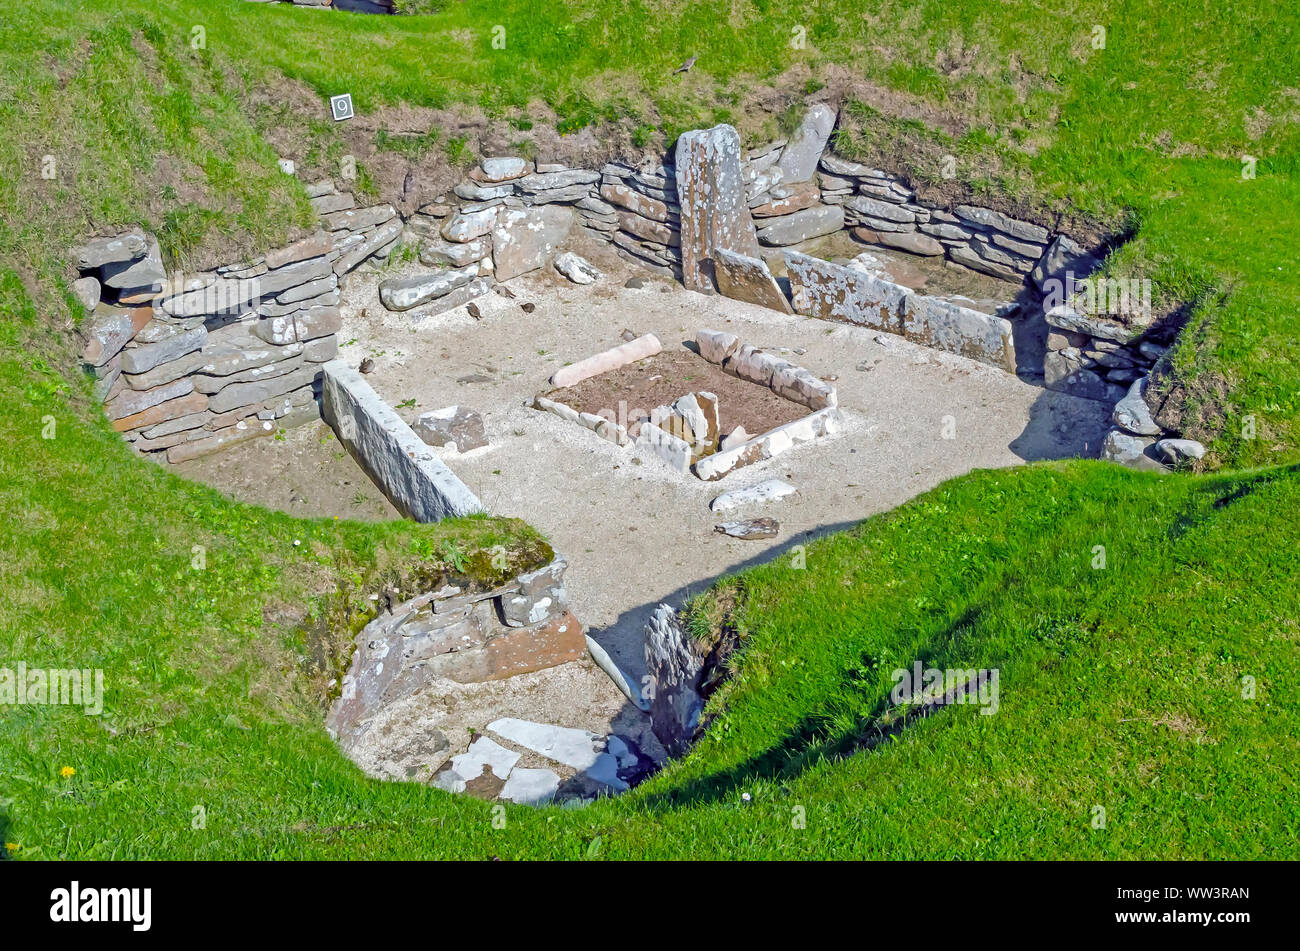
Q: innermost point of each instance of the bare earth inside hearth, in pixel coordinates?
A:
(676, 371)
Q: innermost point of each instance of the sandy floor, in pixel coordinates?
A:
(635, 533)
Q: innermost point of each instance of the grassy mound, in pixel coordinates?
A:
(1121, 687)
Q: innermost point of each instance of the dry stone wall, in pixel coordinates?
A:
(188, 364)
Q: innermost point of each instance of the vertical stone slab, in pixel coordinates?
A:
(407, 471)
(714, 213)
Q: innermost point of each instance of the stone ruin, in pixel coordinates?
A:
(188, 364)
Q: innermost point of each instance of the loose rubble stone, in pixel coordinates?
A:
(770, 490)
(1179, 451)
(452, 426)
(1128, 450)
(1133, 414)
(577, 269)
(404, 293)
(750, 529)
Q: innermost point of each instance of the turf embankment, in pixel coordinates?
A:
(1121, 687)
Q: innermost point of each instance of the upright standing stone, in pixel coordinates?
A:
(803, 151)
(712, 195)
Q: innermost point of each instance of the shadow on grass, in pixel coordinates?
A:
(810, 741)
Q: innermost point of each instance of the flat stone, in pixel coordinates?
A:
(312, 246)
(824, 422)
(258, 391)
(504, 168)
(471, 191)
(407, 471)
(466, 226)
(400, 294)
(130, 402)
(770, 490)
(110, 329)
(578, 749)
(452, 426)
(627, 197)
(386, 235)
(802, 226)
(842, 166)
(750, 529)
(455, 253)
(804, 195)
(801, 154)
(143, 272)
(524, 239)
(714, 213)
(483, 754)
(748, 279)
(1067, 318)
(162, 412)
(988, 218)
(358, 219)
(577, 269)
(674, 662)
(141, 358)
(119, 249)
(1060, 374)
(530, 787)
(910, 241)
(546, 181)
(242, 431)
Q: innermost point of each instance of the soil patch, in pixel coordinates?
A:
(658, 380)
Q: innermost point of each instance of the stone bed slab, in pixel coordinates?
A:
(406, 470)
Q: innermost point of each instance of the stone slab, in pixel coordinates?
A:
(407, 471)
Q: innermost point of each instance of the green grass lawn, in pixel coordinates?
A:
(1121, 687)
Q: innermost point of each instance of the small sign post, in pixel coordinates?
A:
(341, 107)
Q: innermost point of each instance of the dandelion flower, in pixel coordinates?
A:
(67, 772)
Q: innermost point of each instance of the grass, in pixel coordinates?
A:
(1121, 687)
